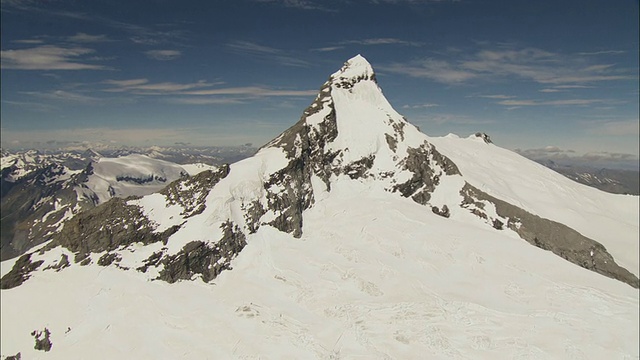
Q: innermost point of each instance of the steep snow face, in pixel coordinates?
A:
(612, 220)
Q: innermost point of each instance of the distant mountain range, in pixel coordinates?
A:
(615, 181)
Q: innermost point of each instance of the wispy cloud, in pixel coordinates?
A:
(138, 34)
(86, 38)
(437, 70)
(506, 61)
(298, 4)
(203, 100)
(267, 53)
(383, 41)
(144, 87)
(37, 106)
(201, 92)
(573, 87)
(603, 52)
(420, 106)
(415, 2)
(328, 48)
(257, 91)
(368, 42)
(163, 55)
(29, 41)
(48, 57)
(62, 95)
(616, 128)
(495, 96)
(450, 119)
(564, 102)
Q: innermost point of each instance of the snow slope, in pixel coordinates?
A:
(373, 277)
(611, 219)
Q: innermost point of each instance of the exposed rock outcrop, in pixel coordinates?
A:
(108, 227)
(20, 272)
(207, 260)
(191, 192)
(42, 338)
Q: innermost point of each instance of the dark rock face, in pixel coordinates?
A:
(552, 236)
(108, 227)
(191, 192)
(108, 258)
(484, 137)
(305, 146)
(294, 196)
(196, 257)
(20, 272)
(444, 212)
(424, 179)
(62, 263)
(43, 342)
(25, 205)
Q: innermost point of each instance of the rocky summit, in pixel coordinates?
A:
(350, 204)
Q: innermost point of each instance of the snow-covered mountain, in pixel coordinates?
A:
(44, 191)
(352, 234)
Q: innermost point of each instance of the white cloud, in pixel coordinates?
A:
(163, 55)
(47, 57)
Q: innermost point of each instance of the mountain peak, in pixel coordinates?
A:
(355, 68)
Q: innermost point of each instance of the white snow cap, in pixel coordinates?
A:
(354, 67)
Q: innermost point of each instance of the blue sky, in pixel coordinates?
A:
(557, 77)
